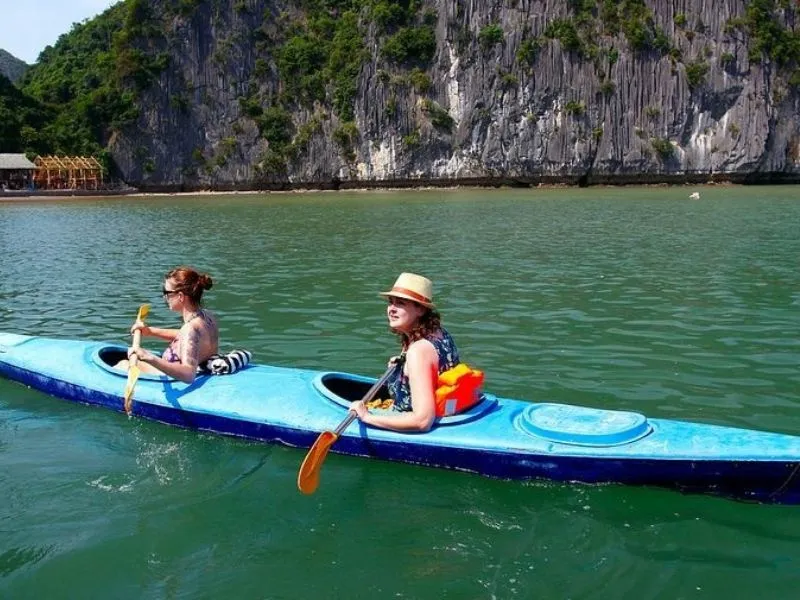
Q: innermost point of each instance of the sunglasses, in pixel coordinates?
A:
(166, 292)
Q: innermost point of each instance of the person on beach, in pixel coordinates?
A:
(194, 343)
(428, 350)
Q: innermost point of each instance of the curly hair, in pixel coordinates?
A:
(190, 282)
(429, 323)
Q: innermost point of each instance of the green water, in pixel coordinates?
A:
(637, 299)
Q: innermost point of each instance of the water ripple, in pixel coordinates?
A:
(626, 299)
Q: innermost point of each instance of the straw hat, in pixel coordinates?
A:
(413, 287)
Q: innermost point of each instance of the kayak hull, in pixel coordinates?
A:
(502, 438)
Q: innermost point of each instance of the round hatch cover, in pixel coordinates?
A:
(583, 426)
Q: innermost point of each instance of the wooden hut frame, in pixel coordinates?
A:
(68, 173)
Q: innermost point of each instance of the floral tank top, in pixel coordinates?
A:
(398, 385)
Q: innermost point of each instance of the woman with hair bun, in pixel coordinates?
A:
(195, 342)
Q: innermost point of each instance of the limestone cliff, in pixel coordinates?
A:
(519, 91)
(11, 66)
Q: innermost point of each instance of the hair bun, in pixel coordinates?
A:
(205, 281)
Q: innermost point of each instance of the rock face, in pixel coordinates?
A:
(694, 108)
(11, 66)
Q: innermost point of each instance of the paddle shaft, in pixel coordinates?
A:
(351, 415)
(137, 343)
(133, 361)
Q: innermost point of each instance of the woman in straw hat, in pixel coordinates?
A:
(428, 349)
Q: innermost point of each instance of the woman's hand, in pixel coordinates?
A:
(397, 360)
(139, 325)
(144, 355)
(360, 409)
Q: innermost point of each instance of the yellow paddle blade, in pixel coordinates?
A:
(133, 375)
(144, 310)
(308, 476)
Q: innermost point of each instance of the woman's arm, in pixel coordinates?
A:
(186, 370)
(164, 334)
(178, 371)
(422, 364)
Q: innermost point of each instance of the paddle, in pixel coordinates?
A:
(133, 361)
(308, 476)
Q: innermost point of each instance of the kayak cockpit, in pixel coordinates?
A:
(110, 355)
(106, 357)
(347, 388)
(344, 388)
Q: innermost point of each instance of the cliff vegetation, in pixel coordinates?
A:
(187, 94)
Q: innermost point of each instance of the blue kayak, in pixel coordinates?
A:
(499, 437)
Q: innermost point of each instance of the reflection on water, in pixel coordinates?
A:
(636, 299)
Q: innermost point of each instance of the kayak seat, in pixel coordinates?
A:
(583, 426)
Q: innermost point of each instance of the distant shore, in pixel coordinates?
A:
(10, 195)
(550, 182)
(78, 195)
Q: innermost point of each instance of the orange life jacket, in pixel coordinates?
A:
(459, 389)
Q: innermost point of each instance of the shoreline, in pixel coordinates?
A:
(394, 186)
